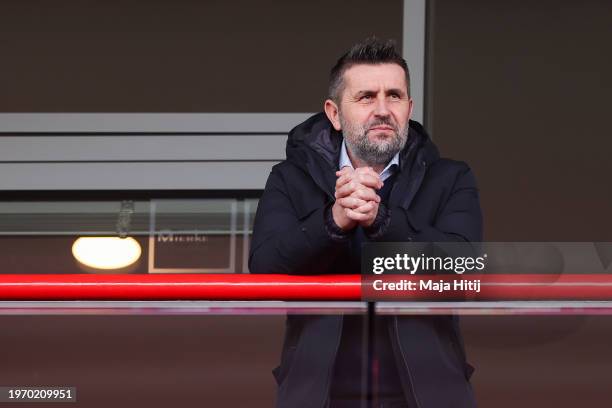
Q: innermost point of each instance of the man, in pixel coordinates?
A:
(363, 171)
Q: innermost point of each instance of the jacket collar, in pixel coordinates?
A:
(315, 146)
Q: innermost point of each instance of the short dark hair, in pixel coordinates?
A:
(371, 51)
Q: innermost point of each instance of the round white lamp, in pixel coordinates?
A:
(106, 252)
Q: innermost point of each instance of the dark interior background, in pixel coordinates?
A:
(179, 56)
(520, 90)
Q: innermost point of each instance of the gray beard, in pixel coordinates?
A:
(356, 138)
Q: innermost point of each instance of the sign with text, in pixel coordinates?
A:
(192, 236)
(487, 271)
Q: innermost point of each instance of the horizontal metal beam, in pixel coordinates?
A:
(179, 307)
(80, 148)
(150, 122)
(234, 308)
(241, 175)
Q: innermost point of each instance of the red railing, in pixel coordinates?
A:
(285, 287)
(179, 286)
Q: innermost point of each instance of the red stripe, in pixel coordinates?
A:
(285, 287)
(179, 286)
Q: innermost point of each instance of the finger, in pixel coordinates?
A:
(366, 170)
(366, 194)
(342, 180)
(344, 170)
(344, 176)
(351, 202)
(369, 178)
(347, 189)
(368, 207)
(364, 175)
(356, 216)
(366, 179)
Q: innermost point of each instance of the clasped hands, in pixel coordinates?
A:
(356, 198)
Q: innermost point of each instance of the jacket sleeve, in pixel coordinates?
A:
(284, 243)
(459, 218)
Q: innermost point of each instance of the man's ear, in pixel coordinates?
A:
(331, 110)
(410, 106)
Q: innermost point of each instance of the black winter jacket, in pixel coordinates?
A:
(433, 200)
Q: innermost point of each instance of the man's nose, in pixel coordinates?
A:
(381, 108)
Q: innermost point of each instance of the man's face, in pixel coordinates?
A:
(374, 111)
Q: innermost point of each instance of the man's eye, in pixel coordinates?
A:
(366, 98)
(394, 96)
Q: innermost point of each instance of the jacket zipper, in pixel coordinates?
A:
(399, 344)
(331, 371)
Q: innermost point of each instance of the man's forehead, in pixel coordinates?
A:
(362, 76)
